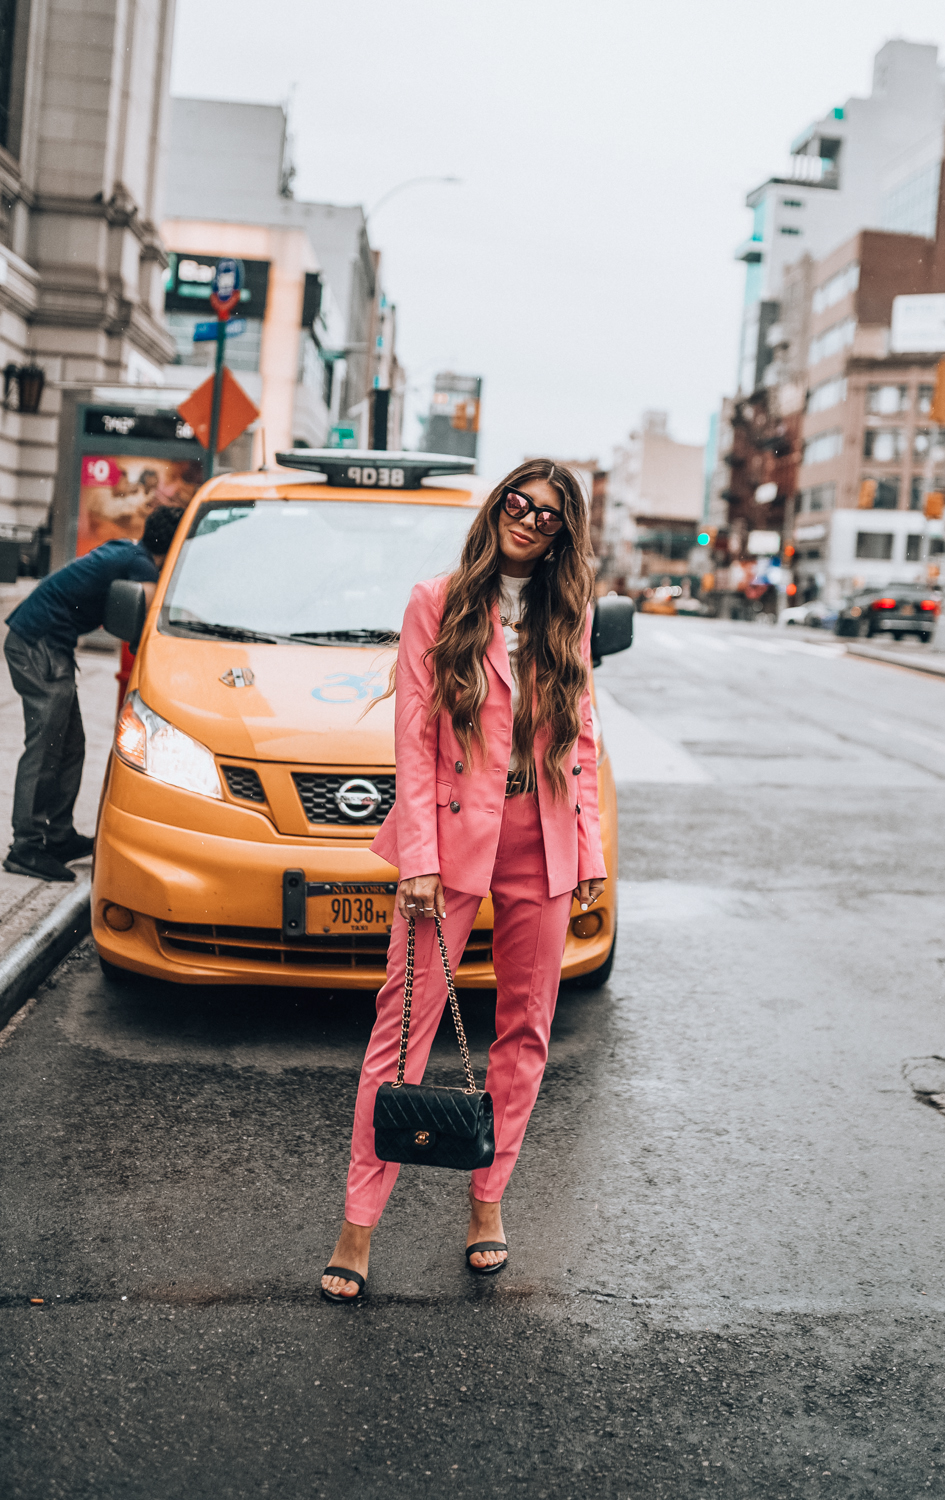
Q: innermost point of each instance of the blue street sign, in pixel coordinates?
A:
(228, 278)
(205, 332)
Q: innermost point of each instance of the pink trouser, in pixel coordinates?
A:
(528, 944)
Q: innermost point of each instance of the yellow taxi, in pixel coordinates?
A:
(253, 763)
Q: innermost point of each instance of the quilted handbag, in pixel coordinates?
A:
(434, 1127)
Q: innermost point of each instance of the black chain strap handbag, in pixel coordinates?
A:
(434, 1127)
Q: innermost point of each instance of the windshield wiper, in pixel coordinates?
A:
(223, 632)
(346, 637)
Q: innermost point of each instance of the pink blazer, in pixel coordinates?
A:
(447, 817)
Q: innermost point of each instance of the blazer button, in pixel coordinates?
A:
(459, 767)
(576, 770)
(578, 807)
(454, 807)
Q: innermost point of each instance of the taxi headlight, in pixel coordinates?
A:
(150, 744)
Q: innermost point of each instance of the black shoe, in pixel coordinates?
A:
(349, 1276)
(487, 1245)
(37, 863)
(76, 846)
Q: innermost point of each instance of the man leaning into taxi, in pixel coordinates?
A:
(40, 652)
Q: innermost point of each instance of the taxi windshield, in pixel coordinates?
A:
(319, 571)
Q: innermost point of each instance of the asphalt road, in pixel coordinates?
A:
(726, 1225)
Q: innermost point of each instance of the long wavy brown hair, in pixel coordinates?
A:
(554, 599)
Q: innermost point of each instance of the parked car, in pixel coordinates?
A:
(898, 610)
(815, 615)
(246, 781)
(660, 601)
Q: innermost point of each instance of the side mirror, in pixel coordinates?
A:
(125, 610)
(612, 630)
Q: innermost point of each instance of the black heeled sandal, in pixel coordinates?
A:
(487, 1245)
(348, 1276)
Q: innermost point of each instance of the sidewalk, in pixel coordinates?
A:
(917, 659)
(909, 654)
(25, 902)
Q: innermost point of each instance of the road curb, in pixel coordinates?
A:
(30, 960)
(872, 653)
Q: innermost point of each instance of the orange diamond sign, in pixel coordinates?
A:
(236, 411)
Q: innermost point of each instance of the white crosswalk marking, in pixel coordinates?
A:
(732, 641)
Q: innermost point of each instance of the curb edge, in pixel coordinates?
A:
(868, 653)
(35, 956)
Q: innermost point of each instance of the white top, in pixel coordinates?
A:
(510, 614)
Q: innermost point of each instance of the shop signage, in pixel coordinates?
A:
(918, 324)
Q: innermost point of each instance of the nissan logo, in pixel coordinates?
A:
(358, 799)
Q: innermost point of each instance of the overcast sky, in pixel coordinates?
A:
(584, 265)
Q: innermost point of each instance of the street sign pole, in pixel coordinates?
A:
(224, 299)
(217, 396)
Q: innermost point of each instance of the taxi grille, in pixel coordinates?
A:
(317, 795)
(266, 945)
(244, 782)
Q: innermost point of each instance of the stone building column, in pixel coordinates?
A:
(81, 184)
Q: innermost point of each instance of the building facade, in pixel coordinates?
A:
(319, 356)
(654, 505)
(870, 164)
(83, 115)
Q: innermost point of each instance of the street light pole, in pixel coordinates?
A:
(401, 187)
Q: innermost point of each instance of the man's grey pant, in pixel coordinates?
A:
(50, 769)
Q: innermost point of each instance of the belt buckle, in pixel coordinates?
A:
(513, 785)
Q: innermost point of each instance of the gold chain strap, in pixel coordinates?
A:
(454, 1006)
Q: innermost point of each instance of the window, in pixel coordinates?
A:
(14, 27)
(825, 445)
(909, 207)
(818, 497)
(884, 444)
(917, 489)
(838, 336)
(924, 399)
(886, 400)
(921, 439)
(876, 545)
(936, 546)
(913, 549)
(822, 496)
(838, 287)
(789, 229)
(830, 393)
(887, 494)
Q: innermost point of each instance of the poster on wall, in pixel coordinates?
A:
(117, 494)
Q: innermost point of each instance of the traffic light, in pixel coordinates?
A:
(787, 552)
(867, 494)
(707, 535)
(937, 409)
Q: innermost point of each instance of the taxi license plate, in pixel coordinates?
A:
(907, 609)
(339, 908)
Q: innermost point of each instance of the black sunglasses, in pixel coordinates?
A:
(517, 506)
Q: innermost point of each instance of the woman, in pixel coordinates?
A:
(496, 791)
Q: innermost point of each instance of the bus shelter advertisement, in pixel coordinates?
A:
(117, 494)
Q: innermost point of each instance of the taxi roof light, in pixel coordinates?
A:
(382, 469)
